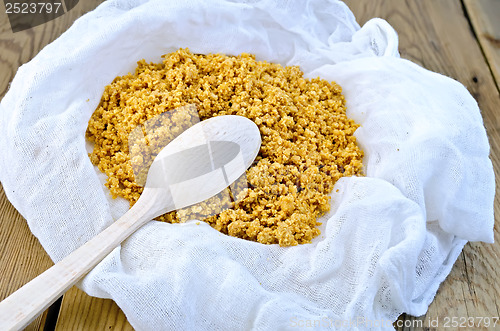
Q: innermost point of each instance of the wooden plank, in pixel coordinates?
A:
(436, 35)
(485, 18)
(22, 258)
(82, 312)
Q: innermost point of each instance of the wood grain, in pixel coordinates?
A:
(485, 18)
(82, 312)
(437, 35)
(21, 255)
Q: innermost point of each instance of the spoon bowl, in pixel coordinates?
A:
(202, 161)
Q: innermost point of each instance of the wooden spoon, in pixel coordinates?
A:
(199, 163)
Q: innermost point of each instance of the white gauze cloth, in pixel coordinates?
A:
(390, 239)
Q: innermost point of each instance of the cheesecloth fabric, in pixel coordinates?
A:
(390, 239)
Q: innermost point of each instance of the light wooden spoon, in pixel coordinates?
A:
(199, 163)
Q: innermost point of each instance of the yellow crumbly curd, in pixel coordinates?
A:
(307, 139)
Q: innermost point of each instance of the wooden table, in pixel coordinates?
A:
(460, 39)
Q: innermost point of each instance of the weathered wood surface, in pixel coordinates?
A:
(485, 18)
(82, 312)
(435, 34)
(22, 258)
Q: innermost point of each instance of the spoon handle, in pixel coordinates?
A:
(24, 305)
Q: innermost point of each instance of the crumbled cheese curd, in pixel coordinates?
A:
(307, 139)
